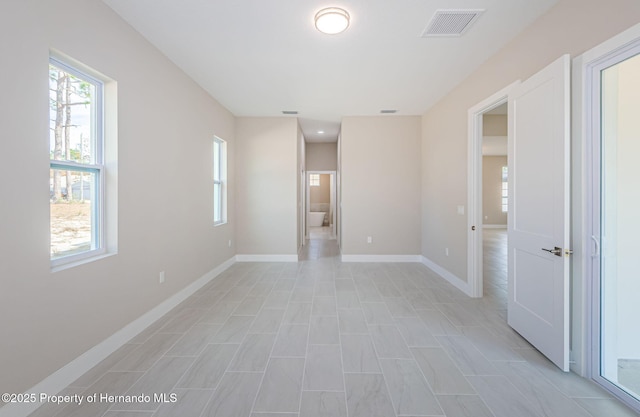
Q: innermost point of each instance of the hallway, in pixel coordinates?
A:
(322, 338)
(320, 245)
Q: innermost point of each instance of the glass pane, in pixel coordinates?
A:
(217, 160)
(72, 211)
(217, 202)
(72, 132)
(620, 226)
(505, 189)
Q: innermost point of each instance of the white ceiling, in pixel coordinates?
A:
(260, 57)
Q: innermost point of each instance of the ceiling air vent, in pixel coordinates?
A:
(289, 112)
(451, 22)
(388, 111)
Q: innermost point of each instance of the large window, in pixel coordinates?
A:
(76, 175)
(219, 181)
(314, 180)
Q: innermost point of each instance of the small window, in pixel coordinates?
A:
(76, 165)
(219, 181)
(314, 180)
(505, 189)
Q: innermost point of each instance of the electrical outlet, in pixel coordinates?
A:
(161, 279)
(446, 251)
(229, 242)
(369, 239)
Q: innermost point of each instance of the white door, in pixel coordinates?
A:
(538, 225)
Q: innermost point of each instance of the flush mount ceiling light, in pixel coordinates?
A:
(332, 20)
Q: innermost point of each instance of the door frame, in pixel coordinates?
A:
(591, 63)
(302, 207)
(475, 277)
(332, 197)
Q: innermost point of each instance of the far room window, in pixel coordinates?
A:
(76, 165)
(314, 180)
(505, 189)
(219, 181)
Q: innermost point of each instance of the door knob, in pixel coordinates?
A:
(556, 251)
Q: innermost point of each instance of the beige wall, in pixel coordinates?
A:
(494, 125)
(165, 130)
(492, 190)
(321, 156)
(572, 26)
(380, 162)
(266, 182)
(322, 193)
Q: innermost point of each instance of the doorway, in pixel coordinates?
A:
(614, 222)
(495, 199)
(488, 191)
(321, 205)
(538, 204)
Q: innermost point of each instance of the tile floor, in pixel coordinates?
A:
(321, 233)
(323, 338)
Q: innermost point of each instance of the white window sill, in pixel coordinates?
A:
(73, 264)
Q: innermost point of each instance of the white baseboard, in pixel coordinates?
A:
(381, 258)
(494, 226)
(450, 277)
(60, 379)
(266, 258)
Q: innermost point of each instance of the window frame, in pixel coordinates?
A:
(96, 167)
(220, 180)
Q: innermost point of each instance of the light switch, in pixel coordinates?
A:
(461, 210)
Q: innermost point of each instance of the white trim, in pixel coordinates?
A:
(450, 277)
(494, 226)
(586, 262)
(97, 255)
(474, 186)
(611, 46)
(266, 258)
(64, 376)
(579, 213)
(381, 258)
